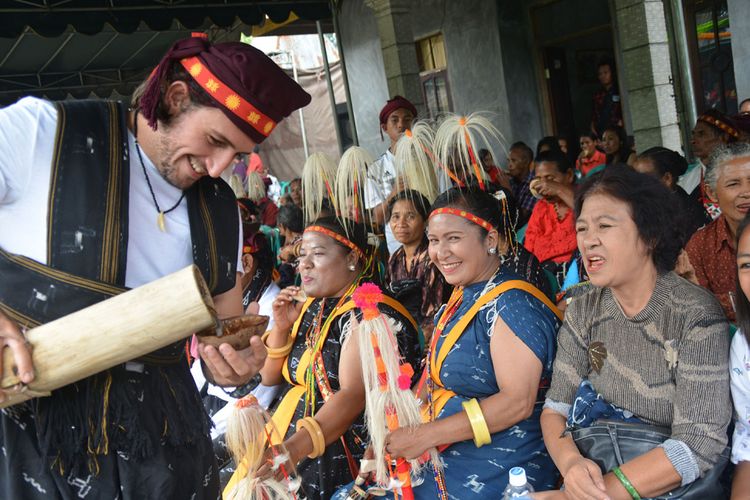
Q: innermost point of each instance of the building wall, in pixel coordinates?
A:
(525, 111)
(475, 63)
(489, 61)
(739, 23)
(366, 76)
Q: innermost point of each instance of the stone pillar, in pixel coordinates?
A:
(646, 72)
(393, 19)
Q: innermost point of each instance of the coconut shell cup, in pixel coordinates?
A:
(237, 331)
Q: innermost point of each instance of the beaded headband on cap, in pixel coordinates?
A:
(247, 86)
(717, 122)
(232, 101)
(337, 237)
(466, 215)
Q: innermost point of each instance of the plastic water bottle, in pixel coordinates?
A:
(518, 486)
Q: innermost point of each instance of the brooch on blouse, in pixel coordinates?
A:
(597, 355)
(670, 353)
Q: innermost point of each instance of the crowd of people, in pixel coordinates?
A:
(582, 312)
(644, 267)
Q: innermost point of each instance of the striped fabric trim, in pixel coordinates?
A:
(227, 97)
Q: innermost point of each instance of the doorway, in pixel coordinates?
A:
(571, 36)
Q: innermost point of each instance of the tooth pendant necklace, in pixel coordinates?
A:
(160, 219)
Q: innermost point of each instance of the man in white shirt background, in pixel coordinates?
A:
(395, 118)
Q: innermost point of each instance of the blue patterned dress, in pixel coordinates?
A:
(472, 472)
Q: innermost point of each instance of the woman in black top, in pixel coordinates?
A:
(668, 166)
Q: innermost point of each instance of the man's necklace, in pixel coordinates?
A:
(160, 222)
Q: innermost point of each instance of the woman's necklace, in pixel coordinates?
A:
(315, 372)
(409, 261)
(561, 210)
(161, 213)
(454, 302)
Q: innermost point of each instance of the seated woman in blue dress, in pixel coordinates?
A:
(490, 359)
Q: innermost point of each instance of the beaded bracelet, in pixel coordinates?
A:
(277, 352)
(626, 483)
(478, 423)
(316, 435)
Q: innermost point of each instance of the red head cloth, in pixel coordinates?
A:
(720, 122)
(397, 102)
(247, 86)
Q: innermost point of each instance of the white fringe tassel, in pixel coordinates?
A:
(256, 189)
(404, 401)
(451, 145)
(318, 176)
(351, 184)
(246, 439)
(414, 160)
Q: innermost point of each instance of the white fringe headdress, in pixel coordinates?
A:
(390, 403)
(458, 141)
(318, 177)
(247, 438)
(256, 188)
(235, 182)
(415, 160)
(351, 184)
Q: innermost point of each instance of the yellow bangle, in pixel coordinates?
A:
(316, 435)
(277, 352)
(478, 424)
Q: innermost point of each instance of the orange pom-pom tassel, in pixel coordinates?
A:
(366, 297)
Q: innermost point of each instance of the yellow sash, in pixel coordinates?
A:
(282, 417)
(441, 395)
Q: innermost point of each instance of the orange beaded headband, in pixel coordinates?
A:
(227, 97)
(337, 237)
(466, 215)
(724, 127)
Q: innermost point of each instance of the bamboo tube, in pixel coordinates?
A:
(112, 332)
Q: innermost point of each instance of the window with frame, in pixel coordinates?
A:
(433, 75)
(711, 55)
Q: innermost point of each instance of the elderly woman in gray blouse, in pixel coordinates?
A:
(649, 342)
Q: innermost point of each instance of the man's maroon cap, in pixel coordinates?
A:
(247, 86)
(392, 105)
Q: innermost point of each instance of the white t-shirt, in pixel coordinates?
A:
(274, 190)
(381, 178)
(739, 377)
(27, 135)
(692, 178)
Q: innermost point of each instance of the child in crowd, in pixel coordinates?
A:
(739, 368)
